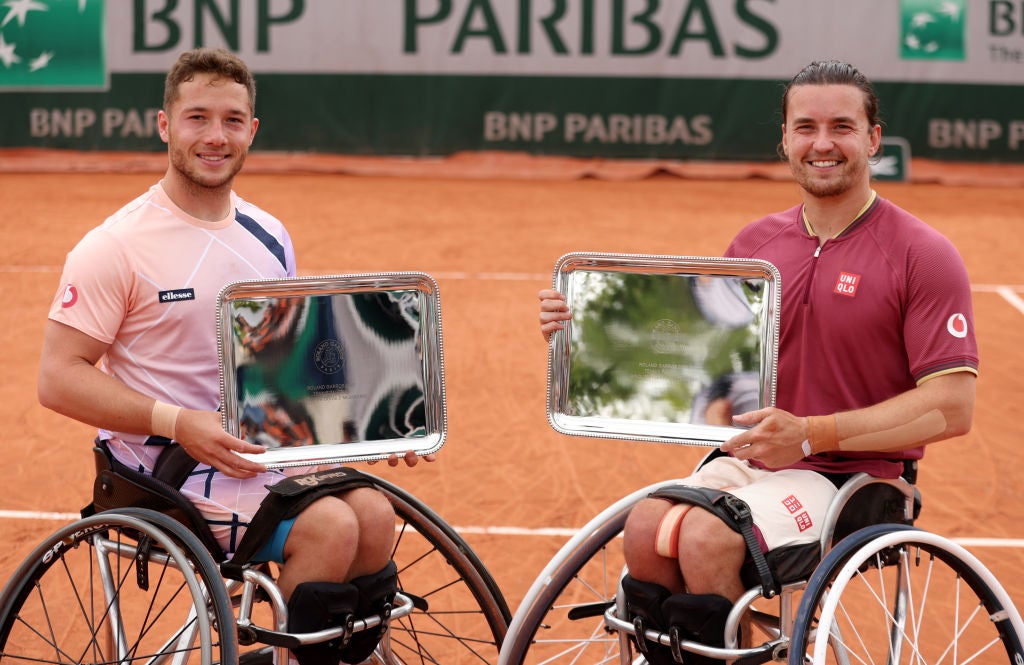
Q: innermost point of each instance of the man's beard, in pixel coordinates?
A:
(833, 186)
(824, 189)
(181, 161)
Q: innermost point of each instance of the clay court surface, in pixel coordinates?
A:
(504, 477)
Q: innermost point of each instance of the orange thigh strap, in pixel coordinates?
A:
(666, 542)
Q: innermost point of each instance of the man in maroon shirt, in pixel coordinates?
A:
(877, 355)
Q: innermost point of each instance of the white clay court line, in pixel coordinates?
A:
(547, 532)
(16, 269)
(1011, 297)
(460, 276)
(1008, 291)
(493, 276)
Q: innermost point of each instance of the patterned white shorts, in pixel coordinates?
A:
(228, 504)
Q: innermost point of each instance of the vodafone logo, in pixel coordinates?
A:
(957, 325)
(70, 296)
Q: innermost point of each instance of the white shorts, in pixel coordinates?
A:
(788, 506)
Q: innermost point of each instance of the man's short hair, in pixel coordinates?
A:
(215, 61)
(835, 72)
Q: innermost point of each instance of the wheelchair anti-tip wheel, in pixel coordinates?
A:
(117, 588)
(894, 594)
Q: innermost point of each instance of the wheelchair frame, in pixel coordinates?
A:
(574, 611)
(132, 585)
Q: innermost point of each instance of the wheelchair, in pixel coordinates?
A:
(873, 590)
(143, 581)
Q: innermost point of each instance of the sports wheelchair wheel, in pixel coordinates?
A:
(561, 619)
(463, 616)
(895, 594)
(118, 587)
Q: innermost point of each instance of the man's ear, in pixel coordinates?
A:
(162, 124)
(876, 140)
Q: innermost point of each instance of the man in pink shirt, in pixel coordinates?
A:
(138, 298)
(877, 359)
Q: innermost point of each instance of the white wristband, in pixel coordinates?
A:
(806, 447)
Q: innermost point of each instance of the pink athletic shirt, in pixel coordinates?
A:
(146, 282)
(881, 308)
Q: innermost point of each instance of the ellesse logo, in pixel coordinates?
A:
(957, 325)
(177, 295)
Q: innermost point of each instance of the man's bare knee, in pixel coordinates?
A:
(327, 525)
(321, 546)
(711, 555)
(371, 507)
(642, 525)
(375, 517)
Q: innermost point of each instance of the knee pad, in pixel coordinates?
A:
(316, 606)
(376, 596)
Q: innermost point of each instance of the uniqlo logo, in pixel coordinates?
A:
(847, 283)
(792, 504)
(803, 521)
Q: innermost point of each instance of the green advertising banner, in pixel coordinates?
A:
(932, 30)
(52, 46)
(670, 79)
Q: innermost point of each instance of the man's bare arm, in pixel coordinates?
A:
(940, 408)
(71, 384)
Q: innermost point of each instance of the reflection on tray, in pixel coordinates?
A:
(662, 348)
(350, 364)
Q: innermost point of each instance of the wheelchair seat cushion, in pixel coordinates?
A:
(789, 563)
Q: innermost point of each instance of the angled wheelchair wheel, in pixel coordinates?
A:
(564, 622)
(131, 587)
(561, 619)
(895, 594)
(461, 614)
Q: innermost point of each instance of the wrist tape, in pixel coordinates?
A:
(164, 418)
(821, 434)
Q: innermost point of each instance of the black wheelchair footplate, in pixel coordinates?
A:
(697, 619)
